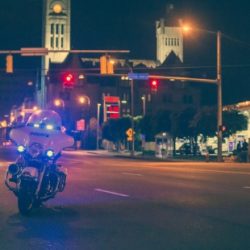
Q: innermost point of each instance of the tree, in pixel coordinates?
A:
(147, 126)
(205, 122)
(153, 124)
(114, 130)
(234, 121)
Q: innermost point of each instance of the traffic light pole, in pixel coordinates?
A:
(132, 117)
(43, 91)
(219, 96)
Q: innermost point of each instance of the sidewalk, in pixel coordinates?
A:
(137, 156)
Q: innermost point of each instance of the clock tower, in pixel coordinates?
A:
(56, 28)
(169, 37)
(56, 36)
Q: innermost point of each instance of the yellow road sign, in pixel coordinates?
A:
(129, 133)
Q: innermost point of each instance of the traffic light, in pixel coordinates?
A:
(68, 80)
(106, 65)
(9, 64)
(154, 85)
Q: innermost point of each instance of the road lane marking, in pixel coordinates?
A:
(196, 170)
(247, 187)
(132, 174)
(111, 192)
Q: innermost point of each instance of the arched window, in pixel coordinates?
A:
(52, 42)
(52, 29)
(57, 28)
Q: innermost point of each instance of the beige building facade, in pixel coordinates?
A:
(168, 39)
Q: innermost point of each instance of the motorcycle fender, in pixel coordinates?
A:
(30, 172)
(63, 170)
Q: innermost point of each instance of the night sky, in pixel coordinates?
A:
(130, 25)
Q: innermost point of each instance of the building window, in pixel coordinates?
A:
(57, 28)
(178, 42)
(167, 98)
(57, 42)
(166, 41)
(187, 99)
(190, 99)
(52, 29)
(62, 42)
(62, 29)
(52, 42)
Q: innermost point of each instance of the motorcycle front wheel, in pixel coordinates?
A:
(25, 202)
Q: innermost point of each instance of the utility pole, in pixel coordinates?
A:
(219, 96)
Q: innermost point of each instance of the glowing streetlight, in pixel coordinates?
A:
(219, 85)
(81, 77)
(84, 100)
(35, 108)
(186, 28)
(58, 103)
(4, 124)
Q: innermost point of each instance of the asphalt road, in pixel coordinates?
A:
(113, 203)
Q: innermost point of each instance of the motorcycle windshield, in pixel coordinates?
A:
(47, 119)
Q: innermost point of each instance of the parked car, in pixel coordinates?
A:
(188, 149)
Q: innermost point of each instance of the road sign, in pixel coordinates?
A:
(34, 51)
(111, 107)
(138, 76)
(129, 133)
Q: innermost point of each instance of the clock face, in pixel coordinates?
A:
(57, 8)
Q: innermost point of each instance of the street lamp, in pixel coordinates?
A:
(84, 100)
(187, 28)
(131, 81)
(97, 125)
(132, 113)
(59, 103)
(143, 98)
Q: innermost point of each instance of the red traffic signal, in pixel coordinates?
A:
(154, 84)
(68, 80)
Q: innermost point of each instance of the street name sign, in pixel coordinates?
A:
(138, 76)
(34, 51)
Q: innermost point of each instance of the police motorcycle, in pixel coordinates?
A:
(35, 176)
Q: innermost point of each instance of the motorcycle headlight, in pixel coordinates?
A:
(20, 148)
(50, 153)
(35, 150)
